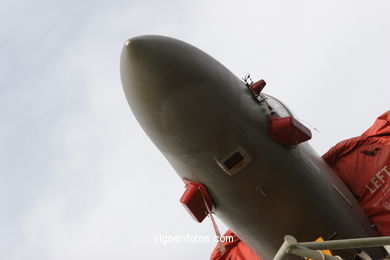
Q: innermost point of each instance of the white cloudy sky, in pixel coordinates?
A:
(78, 177)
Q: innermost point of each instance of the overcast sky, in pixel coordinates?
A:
(78, 177)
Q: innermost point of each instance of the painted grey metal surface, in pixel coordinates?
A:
(197, 113)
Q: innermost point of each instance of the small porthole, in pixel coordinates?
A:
(234, 161)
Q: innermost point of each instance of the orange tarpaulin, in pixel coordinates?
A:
(363, 163)
(234, 250)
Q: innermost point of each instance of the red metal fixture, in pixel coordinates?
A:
(288, 131)
(193, 199)
(257, 87)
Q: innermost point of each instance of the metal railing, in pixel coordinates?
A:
(311, 249)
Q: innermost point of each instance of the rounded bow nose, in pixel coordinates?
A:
(182, 97)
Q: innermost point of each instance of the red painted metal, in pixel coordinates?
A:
(193, 200)
(288, 131)
(257, 87)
